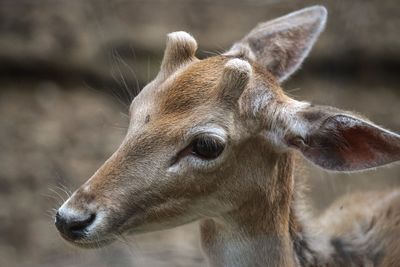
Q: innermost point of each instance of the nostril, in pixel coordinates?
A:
(81, 225)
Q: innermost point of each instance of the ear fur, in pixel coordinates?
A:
(282, 44)
(180, 49)
(340, 141)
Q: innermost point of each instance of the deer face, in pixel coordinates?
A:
(177, 151)
(202, 126)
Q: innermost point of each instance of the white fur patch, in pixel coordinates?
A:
(182, 37)
(68, 212)
(239, 65)
(299, 127)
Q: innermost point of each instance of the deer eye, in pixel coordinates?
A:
(207, 147)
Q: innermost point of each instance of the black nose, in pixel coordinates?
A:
(74, 227)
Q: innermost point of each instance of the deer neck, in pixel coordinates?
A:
(258, 232)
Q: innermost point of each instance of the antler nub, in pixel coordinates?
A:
(180, 49)
(236, 74)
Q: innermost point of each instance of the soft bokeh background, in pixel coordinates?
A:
(63, 69)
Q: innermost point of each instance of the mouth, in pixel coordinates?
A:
(89, 242)
(99, 230)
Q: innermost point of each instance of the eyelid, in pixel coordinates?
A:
(208, 131)
(208, 135)
(186, 151)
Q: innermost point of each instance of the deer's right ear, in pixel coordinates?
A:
(282, 44)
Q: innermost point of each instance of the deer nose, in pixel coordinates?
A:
(73, 225)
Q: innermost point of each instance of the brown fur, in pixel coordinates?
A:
(262, 216)
(246, 197)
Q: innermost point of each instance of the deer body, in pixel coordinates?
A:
(216, 140)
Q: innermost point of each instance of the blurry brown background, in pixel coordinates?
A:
(61, 116)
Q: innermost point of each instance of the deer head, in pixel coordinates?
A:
(202, 131)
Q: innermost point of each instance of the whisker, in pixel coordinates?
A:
(290, 92)
(119, 127)
(111, 91)
(210, 52)
(116, 93)
(118, 59)
(50, 214)
(125, 115)
(60, 197)
(65, 188)
(64, 191)
(52, 197)
(126, 243)
(148, 70)
(137, 91)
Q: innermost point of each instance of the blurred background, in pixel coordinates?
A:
(64, 70)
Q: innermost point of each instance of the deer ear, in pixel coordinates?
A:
(340, 141)
(282, 44)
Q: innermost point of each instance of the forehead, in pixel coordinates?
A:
(192, 96)
(192, 87)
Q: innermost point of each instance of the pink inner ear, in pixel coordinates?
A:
(345, 143)
(368, 146)
(361, 147)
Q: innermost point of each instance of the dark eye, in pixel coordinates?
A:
(207, 147)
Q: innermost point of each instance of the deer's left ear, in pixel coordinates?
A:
(339, 141)
(282, 44)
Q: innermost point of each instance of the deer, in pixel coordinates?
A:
(217, 140)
